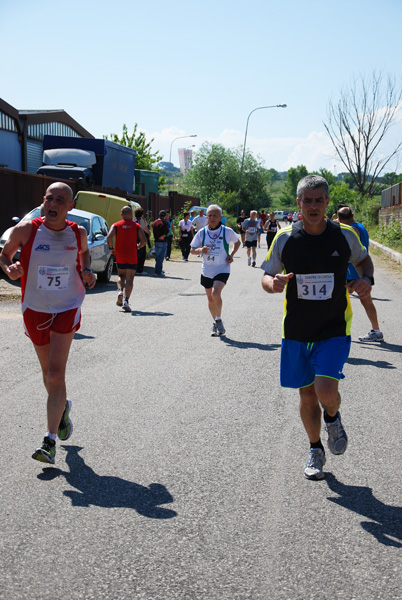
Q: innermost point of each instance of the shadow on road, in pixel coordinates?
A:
(385, 521)
(383, 346)
(80, 336)
(143, 313)
(245, 345)
(380, 364)
(107, 491)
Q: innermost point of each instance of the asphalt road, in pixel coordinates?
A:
(184, 476)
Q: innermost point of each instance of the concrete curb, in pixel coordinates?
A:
(396, 256)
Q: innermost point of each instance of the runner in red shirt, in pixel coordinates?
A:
(129, 238)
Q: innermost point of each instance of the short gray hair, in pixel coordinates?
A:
(312, 182)
(214, 207)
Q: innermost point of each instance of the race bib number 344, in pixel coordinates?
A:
(315, 286)
(53, 278)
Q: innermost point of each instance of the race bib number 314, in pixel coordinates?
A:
(315, 286)
(53, 278)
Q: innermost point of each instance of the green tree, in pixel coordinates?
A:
(289, 193)
(215, 174)
(330, 177)
(389, 179)
(340, 193)
(146, 158)
(273, 175)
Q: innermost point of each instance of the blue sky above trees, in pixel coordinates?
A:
(182, 68)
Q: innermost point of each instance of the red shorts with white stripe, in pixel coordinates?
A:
(38, 325)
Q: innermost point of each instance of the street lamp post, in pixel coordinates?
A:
(178, 138)
(244, 147)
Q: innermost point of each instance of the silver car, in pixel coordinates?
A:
(97, 230)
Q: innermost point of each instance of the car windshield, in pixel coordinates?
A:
(80, 221)
(34, 214)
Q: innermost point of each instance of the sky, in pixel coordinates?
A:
(185, 67)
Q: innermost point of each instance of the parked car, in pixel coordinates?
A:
(279, 215)
(97, 230)
(106, 205)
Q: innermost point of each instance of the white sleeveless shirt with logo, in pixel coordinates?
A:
(52, 282)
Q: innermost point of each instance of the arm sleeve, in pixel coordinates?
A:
(272, 264)
(231, 236)
(358, 251)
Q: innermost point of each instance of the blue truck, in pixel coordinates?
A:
(96, 162)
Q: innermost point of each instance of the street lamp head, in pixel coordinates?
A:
(281, 105)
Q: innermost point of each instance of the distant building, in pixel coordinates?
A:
(22, 131)
(186, 158)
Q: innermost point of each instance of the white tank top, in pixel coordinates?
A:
(52, 282)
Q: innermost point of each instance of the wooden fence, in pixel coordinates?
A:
(20, 192)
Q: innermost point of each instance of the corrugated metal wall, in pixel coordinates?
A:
(392, 196)
(34, 155)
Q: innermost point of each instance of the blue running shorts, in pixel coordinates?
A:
(302, 362)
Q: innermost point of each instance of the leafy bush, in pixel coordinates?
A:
(391, 234)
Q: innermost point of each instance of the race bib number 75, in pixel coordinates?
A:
(315, 286)
(53, 278)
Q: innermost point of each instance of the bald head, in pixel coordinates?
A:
(345, 215)
(127, 212)
(59, 188)
(56, 204)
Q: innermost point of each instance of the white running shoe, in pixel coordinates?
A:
(372, 336)
(126, 306)
(314, 467)
(214, 330)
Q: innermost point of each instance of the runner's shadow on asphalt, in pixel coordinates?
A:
(385, 521)
(80, 336)
(107, 491)
(383, 346)
(143, 313)
(171, 277)
(246, 345)
(380, 364)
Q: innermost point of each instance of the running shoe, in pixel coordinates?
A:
(372, 336)
(65, 427)
(220, 328)
(249, 261)
(253, 263)
(214, 330)
(119, 301)
(126, 306)
(337, 438)
(47, 452)
(316, 461)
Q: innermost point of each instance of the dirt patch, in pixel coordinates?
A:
(9, 290)
(381, 261)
